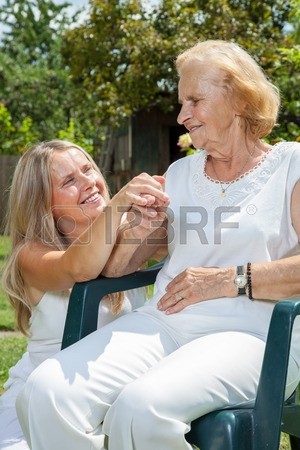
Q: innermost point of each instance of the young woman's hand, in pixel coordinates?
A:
(147, 214)
(143, 191)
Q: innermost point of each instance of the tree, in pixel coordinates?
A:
(122, 57)
(89, 79)
(32, 30)
(287, 75)
(104, 54)
(34, 80)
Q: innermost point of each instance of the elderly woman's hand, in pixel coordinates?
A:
(142, 220)
(195, 285)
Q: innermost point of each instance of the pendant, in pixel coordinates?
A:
(223, 193)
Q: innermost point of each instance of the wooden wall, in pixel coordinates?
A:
(7, 166)
(147, 144)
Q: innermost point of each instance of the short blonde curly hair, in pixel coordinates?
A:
(243, 78)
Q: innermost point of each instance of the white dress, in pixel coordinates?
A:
(46, 330)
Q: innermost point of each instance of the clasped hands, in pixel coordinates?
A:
(148, 210)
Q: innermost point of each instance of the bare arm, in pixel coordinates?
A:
(142, 236)
(44, 269)
(135, 246)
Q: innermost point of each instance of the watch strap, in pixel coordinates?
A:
(240, 271)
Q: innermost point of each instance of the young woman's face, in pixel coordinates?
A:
(78, 192)
(206, 109)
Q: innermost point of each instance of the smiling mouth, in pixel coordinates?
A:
(194, 128)
(91, 199)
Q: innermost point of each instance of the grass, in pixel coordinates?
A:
(12, 347)
(7, 320)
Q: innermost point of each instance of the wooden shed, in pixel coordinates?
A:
(7, 167)
(147, 143)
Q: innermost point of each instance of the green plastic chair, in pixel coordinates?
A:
(256, 428)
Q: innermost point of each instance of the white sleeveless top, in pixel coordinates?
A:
(46, 330)
(251, 223)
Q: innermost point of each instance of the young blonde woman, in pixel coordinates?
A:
(63, 228)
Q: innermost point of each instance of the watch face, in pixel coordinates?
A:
(240, 281)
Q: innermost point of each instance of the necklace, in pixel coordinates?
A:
(237, 176)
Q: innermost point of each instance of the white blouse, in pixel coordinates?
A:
(250, 223)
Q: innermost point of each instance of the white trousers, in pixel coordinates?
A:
(140, 381)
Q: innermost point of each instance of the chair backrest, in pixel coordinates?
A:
(271, 389)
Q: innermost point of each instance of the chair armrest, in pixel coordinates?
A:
(82, 314)
(271, 389)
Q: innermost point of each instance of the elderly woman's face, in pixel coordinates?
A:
(206, 109)
(78, 191)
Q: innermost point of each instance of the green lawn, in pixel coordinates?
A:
(7, 320)
(12, 347)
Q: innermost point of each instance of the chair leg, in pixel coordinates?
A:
(294, 442)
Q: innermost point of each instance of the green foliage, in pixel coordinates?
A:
(14, 139)
(291, 56)
(294, 20)
(5, 121)
(121, 58)
(104, 58)
(73, 134)
(287, 77)
(40, 93)
(84, 81)
(34, 27)
(34, 82)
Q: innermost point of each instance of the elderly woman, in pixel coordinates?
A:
(233, 250)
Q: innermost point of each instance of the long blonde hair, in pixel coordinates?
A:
(243, 79)
(29, 218)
